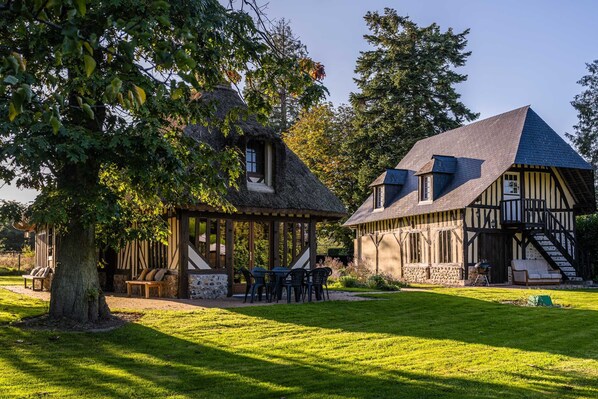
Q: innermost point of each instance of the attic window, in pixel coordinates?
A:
(425, 188)
(258, 165)
(378, 197)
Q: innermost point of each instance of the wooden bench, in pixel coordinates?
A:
(147, 285)
(27, 277)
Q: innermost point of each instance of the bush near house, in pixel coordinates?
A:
(587, 236)
(358, 275)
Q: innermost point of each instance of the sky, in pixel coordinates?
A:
(523, 52)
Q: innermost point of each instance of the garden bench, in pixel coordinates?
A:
(146, 286)
(37, 274)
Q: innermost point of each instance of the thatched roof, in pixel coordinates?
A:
(484, 150)
(296, 190)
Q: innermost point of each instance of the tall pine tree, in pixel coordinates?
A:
(585, 137)
(406, 91)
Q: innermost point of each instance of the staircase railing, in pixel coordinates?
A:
(560, 236)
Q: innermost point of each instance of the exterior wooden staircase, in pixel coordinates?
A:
(548, 235)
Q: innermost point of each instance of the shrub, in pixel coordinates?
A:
(383, 282)
(349, 282)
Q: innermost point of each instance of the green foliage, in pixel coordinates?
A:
(283, 92)
(585, 137)
(94, 97)
(587, 236)
(317, 138)
(406, 92)
(383, 282)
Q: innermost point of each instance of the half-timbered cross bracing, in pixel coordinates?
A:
(507, 187)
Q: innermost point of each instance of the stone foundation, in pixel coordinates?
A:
(416, 273)
(208, 286)
(446, 274)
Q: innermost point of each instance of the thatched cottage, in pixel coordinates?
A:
(503, 188)
(278, 203)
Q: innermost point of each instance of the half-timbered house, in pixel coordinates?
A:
(507, 187)
(278, 203)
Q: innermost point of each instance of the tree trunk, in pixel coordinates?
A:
(76, 292)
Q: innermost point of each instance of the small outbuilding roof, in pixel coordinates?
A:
(297, 190)
(482, 152)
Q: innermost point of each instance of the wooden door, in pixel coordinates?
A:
(494, 248)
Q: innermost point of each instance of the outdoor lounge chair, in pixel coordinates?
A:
(534, 271)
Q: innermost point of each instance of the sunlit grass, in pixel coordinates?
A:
(442, 343)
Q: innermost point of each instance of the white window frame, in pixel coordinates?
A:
(426, 181)
(511, 184)
(379, 197)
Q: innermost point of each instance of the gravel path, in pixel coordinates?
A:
(120, 301)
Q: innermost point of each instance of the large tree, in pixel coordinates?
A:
(406, 91)
(585, 136)
(286, 97)
(94, 97)
(318, 138)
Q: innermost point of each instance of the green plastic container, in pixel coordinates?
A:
(539, 300)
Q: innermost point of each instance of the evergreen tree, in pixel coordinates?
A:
(406, 91)
(585, 137)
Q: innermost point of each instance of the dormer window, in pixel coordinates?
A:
(425, 188)
(255, 162)
(258, 166)
(378, 197)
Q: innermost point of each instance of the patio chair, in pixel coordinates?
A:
(259, 283)
(248, 277)
(296, 283)
(315, 283)
(325, 284)
(278, 276)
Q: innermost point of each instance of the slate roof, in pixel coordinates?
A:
(392, 177)
(297, 190)
(439, 164)
(483, 151)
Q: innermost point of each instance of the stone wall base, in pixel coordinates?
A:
(446, 274)
(208, 286)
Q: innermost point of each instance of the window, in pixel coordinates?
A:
(445, 246)
(425, 190)
(378, 197)
(415, 255)
(511, 184)
(255, 162)
(258, 165)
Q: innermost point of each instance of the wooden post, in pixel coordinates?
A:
(285, 244)
(274, 244)
(313, 244)
(184, 254)
(230, 271)
(293, 240)
(251, 246)
(218, 237)
(208, 238)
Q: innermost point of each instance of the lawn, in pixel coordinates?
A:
(438, 343)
